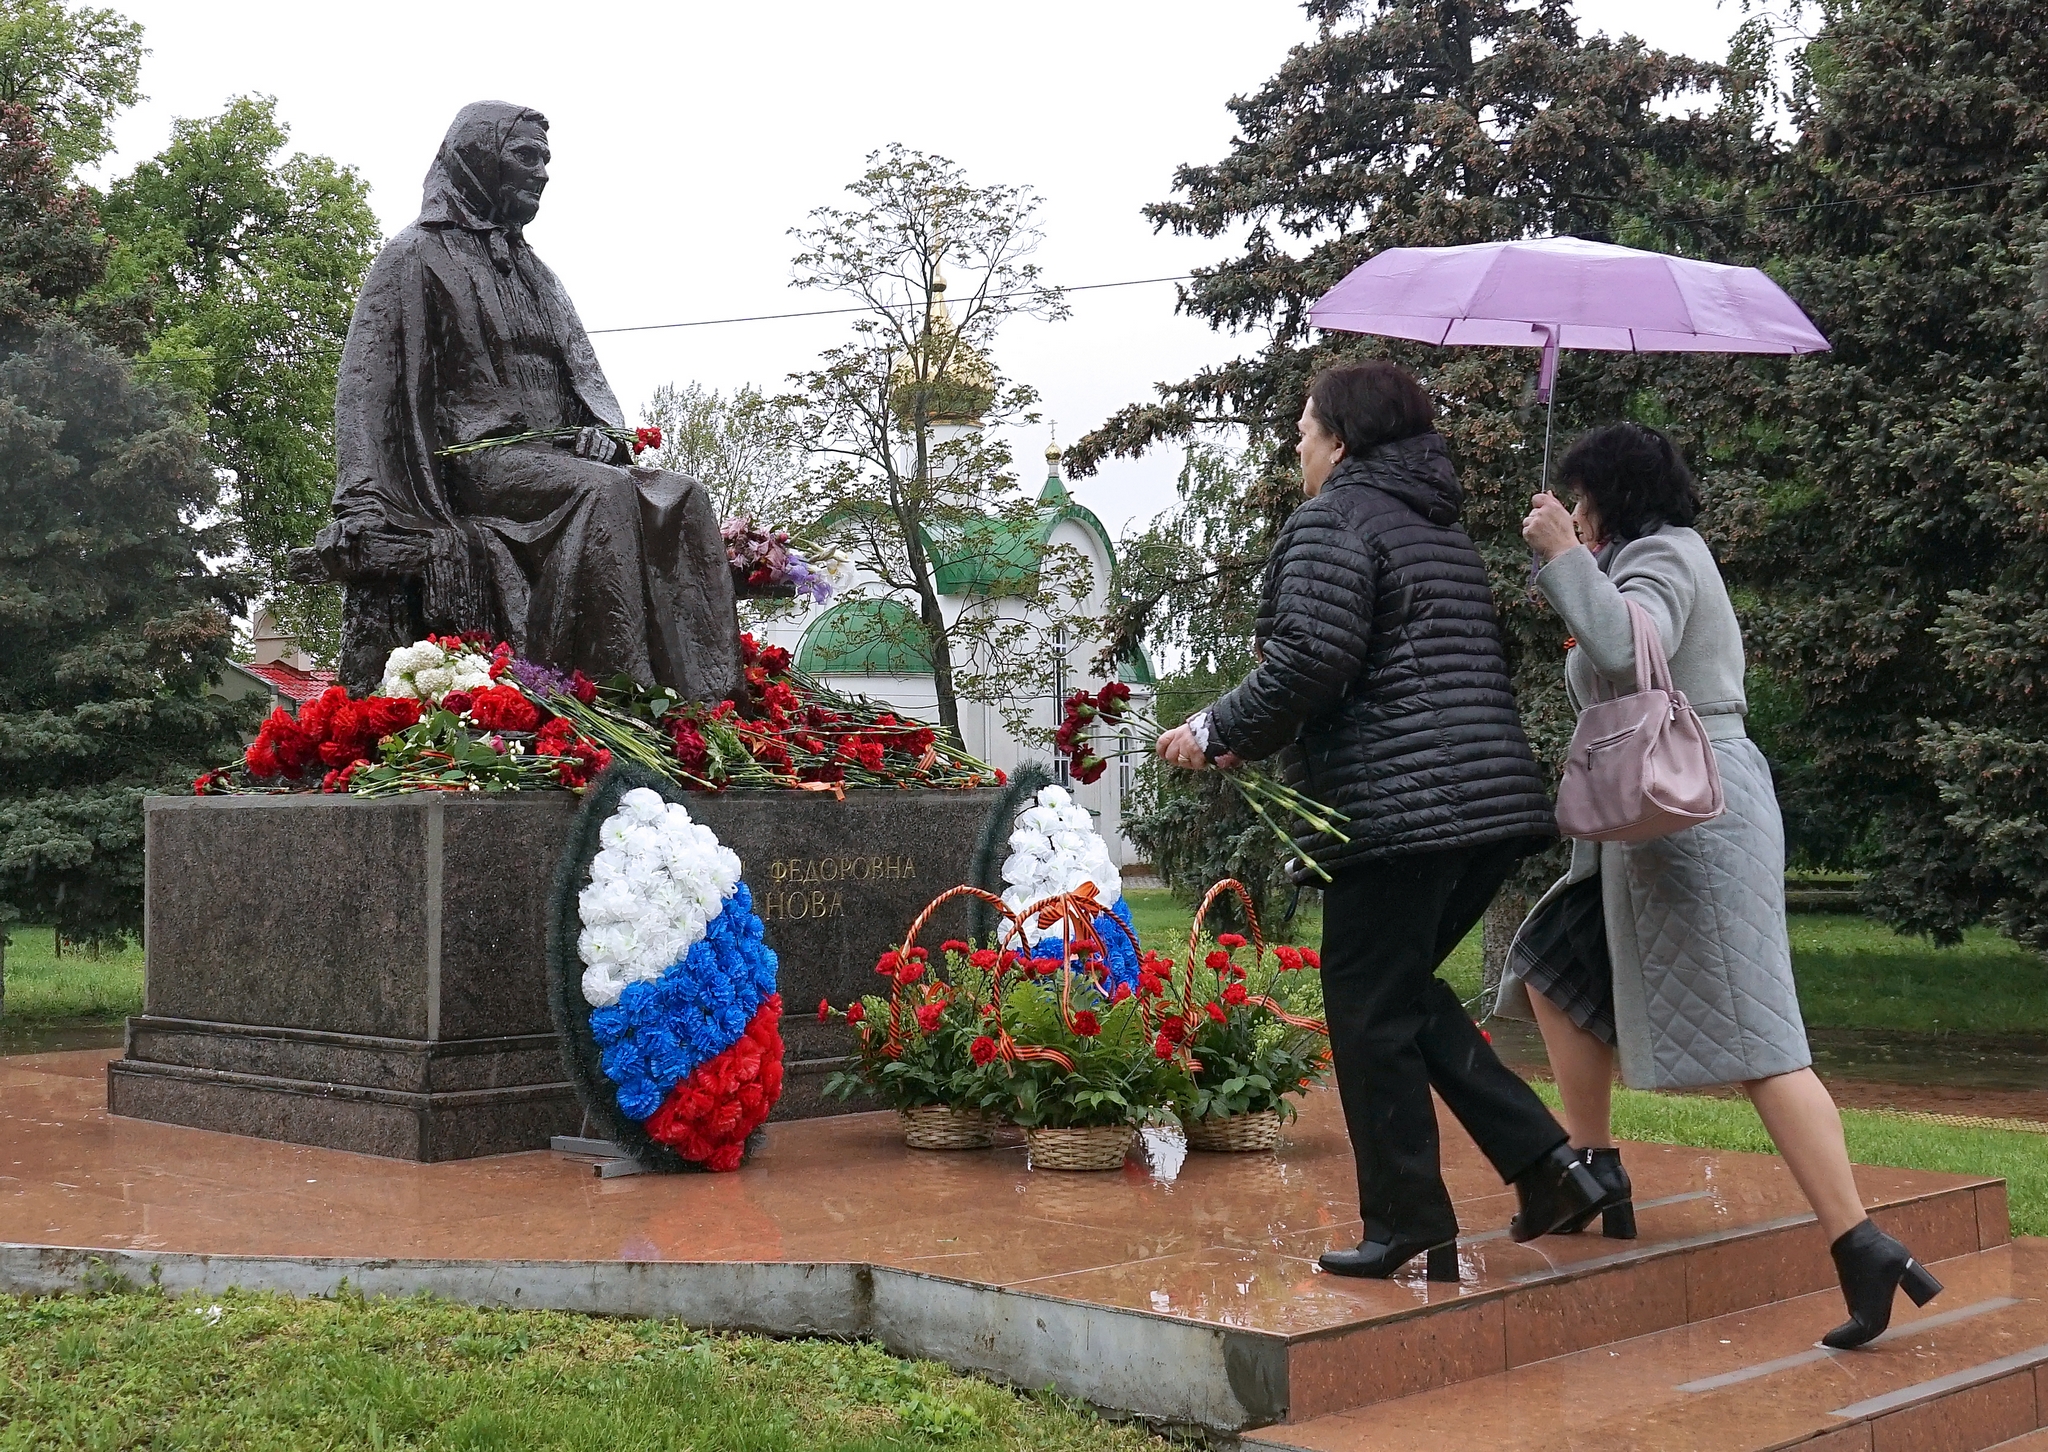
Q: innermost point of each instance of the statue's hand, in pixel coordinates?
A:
(595, 443)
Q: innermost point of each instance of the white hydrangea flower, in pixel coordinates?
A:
(642, 805)
(601, 985)
(434, 682)
(656, 883)
(1055, 849)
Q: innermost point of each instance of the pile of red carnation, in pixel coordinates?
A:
(796, 736)
(330, 731)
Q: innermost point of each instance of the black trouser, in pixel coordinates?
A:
(1396, 1029)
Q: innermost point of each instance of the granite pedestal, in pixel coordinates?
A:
(371, 975)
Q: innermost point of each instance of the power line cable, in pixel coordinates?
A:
(1185, 277)
(829, 312)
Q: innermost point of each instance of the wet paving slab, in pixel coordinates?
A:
(1182, 1286)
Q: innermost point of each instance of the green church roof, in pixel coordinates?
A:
(880, 637)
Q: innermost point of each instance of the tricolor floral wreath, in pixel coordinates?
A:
(1055, 852)
(663, 990)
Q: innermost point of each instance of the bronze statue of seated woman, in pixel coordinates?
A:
(559, 545)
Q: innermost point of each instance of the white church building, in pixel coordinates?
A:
(866, 644)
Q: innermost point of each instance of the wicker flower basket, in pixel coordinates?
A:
(1096, 1147)
(942, 1127)
(1235, 1134)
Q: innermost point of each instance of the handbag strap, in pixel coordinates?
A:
(1653, 670)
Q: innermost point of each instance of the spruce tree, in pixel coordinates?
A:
(1900, 550)
(111, 624)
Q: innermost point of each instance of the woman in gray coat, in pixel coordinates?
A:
(1693, 985)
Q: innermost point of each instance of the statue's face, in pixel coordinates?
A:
(523, 174)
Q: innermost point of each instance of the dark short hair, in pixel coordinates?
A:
(1366, 404)
(1634, 476)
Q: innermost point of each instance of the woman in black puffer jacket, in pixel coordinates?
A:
(1381, 670)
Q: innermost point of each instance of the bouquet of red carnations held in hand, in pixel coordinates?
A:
(1111, 706)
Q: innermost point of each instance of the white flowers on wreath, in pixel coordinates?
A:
(427, 672)
(655, 885)
(1054, 849)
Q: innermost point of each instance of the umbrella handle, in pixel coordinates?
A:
(1546, 381)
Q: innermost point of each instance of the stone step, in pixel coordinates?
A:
(1968, 1372)
(2031, 1442)
(1696, 1261)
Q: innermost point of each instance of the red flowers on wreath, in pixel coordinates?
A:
(708, 1116)
(503, 708)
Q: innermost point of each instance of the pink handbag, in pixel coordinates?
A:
(1641, 766)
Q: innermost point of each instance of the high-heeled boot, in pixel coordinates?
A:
(1872, 1265)
(1379, 1261)
(1553, 1192)
(1616, 1209)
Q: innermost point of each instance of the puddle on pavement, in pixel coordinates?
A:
(51, 1038)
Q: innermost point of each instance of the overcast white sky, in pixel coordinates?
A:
(689, 137)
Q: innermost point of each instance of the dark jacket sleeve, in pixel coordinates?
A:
(1321, 605)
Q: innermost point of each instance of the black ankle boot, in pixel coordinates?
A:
(1616, 1208)
(1377, 1261)
(1553, 1191)
(1872, 1265)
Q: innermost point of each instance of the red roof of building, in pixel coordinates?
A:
(289, 681)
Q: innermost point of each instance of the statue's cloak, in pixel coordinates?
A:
(462, 333)
(424, 364)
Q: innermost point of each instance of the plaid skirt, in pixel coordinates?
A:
(1561, 953)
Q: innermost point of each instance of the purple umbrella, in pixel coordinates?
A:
(1563, 292)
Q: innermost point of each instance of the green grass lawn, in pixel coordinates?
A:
(77, 988)
(256, 1372)
(1853, 973)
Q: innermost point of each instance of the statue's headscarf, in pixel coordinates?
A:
(462, 184)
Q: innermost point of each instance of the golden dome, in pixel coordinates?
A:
(958, 383)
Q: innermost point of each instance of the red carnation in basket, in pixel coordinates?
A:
(1217, 960)
(1235, 994)
(1290, 958)
(1162, 1047)
(982, 1050)
(928, 1016)
(1216, 1013)
(1086, 1024)
(984, 959)
(1314, 959)
(1230, 940)
(824, 1010)
(503, 708)
(856, 1011)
